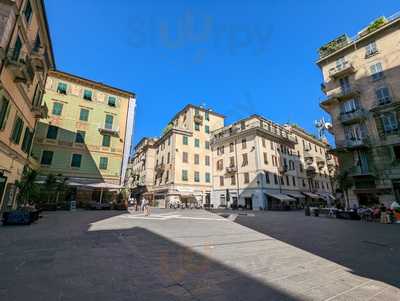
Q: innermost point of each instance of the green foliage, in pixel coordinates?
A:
(28, 190)
(168, 127)
(334, 45)
(376, 24)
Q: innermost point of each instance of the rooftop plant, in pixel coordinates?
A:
(334, 45)
(376, 24)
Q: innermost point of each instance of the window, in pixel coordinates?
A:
(371, 49)
(244, 160)
(47, 157)
(52, 132)
(287, 180)
(208, 177)
(242, 125)
(207, 145)
(220, 150)
(382, 95)
(4, 109)
(207, 160)
(197, 126)
(341, 63)
(106, 141)
(37, 43)
(345, 84)
(246, 178)
(76, 160)
(263, 142)
(167, 176)
(17, 130)
(197, 142)
(272, 145)
(243, 143)
(232, 162)
(103, 163)
(207, 129)
(108, 123)
(112, 101)
(376, 71)
(396, 152)
(267, 180)
(221, 181)
(196, 112)
(293, 181)
(185, 157)
(87, 94)
(233, 180)
(184, 175)
(265, 158)
(80, 137)
(168, 157)
(206, 116)
(27, 141)
(276, 179)
(62, 88)
(196, 176)
(185, 140)
(349, 106)
(389, 122)
(274, 161)
(84, 115)
(17, 49)
(57, 108)
(220, 164)
(231, 147)
(28, 12)
(196, 159)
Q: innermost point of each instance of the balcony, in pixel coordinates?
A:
(353, 143)
(354, 116)
(20, 66)
(341, 70)
(308, 157)
(38, 60)
(359, 171)
(198, 119)
(231, 170)
(320, 162)
(385, 103)
(40, 111)
(342, 93)
(109, 130)
(160, 168)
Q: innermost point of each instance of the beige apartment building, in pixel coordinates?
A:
(86, 136)
(141, 168)
(182, 159)
(259, 164)
(361, 83)
(25, 57)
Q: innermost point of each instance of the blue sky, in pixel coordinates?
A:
(237, 57)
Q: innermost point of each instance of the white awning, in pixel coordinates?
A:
(104, 185)
(327, 196)
(296, 194)
(281, 196)
(312, 195)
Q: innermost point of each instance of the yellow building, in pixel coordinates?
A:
(26, 56)
(87, 134)
(182, 158)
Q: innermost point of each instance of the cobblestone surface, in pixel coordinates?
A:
(197, 255)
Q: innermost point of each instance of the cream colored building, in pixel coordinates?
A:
(361, 83)
(259, 164)
(183, 158)
(25, 57)
(141, 168)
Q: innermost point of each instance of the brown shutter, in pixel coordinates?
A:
(379, 126)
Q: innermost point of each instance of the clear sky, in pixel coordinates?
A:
(237, 57)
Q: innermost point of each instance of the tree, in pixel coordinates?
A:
(50, 185)
(27, 186)
(344, 181)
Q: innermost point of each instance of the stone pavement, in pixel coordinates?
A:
(173, 255)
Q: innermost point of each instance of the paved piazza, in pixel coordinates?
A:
(198, 255)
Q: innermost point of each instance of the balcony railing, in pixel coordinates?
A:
(353, 116)
(40, 111)
(272, 129)
(342, 93)
(231, 169)
(353, 143)
(19, 63)
(113, 131)
(341, 70)
(198, 119)
(360, 171)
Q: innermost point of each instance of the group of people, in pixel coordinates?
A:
(379, 213)
(142, 205)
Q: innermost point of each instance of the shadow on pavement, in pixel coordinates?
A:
(370, 250)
